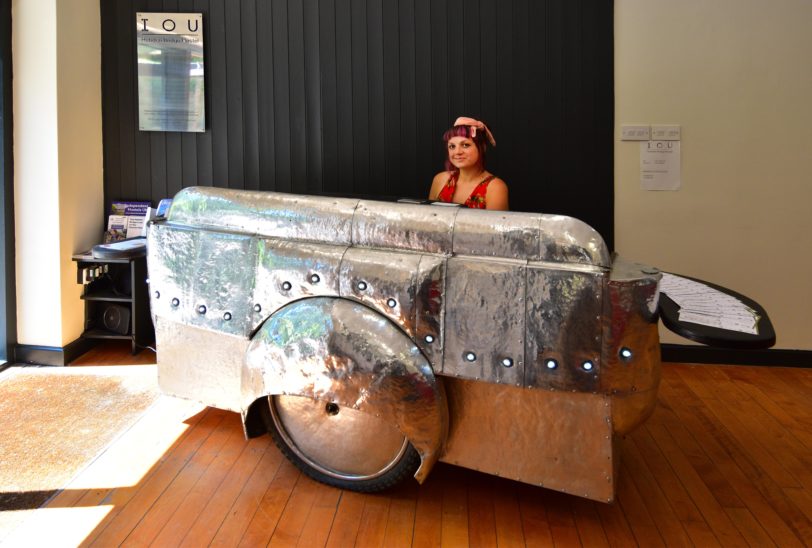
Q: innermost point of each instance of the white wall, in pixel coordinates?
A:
(57, 161)
(736, 74)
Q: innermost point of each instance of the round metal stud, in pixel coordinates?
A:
(157, 294)
(391, 303)
(175, 302)
(331, 409)
(257, 307)
(314, 278)
(286, 286)
(201, 309)
(362, 286)
(588, 365)
(625, 353)
(507, 362)
(470, 357)
(429, 338)
(227, 316)
(551, 364)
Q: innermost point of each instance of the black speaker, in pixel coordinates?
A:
(116, 318)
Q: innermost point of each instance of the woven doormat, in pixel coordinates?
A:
(55, 421)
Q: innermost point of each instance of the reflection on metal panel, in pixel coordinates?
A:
(404, 226)
(430, 299)
(412, 227)
(170, 72)
(271, 214)
(171, 259)
(287, 271)
(484, 320)
(335, 350)
(563, 328)
(558, 440)
(200, 365)
(310, 218)
(497, 234)
(631, 347)
(383, 280)
(568, 240)
(224, 281)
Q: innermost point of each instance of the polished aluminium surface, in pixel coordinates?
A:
(558, 440)
(285, 216)
(200, 364)
(485, 305)
(563, 324)
(326, 436)
(631, 345)
(336, 351)
(396, 226)
(360, 304)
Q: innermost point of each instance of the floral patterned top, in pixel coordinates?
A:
(477, 198)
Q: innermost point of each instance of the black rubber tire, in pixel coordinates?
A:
(406, 465)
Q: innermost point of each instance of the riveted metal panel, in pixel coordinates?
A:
(287, 271)
(631, 348)
(563, 325)
(497, 234)
(221, 294)
(484, 320)
(429, 301)
(385, 281)
(422, 228)
(171, 262)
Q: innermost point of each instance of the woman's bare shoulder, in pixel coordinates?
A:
(497, 194)
(437, 184)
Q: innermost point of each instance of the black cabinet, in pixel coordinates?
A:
(116, 299)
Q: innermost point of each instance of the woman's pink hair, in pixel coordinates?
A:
(481, 141)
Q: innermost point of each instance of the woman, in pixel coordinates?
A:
(466, 181)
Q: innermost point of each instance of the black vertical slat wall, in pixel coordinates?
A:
(351, 97)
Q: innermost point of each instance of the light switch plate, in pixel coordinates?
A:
(669, 132)
(634, 132)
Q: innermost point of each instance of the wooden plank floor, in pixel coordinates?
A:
(726, 460)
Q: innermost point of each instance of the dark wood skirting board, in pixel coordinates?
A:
(26, 354)
(777, 357)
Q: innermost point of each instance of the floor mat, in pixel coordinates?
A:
(55, 421)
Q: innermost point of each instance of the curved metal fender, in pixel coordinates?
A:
(340, 351)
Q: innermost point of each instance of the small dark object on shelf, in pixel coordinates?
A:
(124, 249)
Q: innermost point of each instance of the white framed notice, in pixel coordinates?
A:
(660, 165)
(171, 95)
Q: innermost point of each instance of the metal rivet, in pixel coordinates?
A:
(429, 338)
(227, 316)
(157, 294)
(625, 353)
(507, 362)
(286, 286)
(392, 303)
(588, 365)
(257, 308)
(175, 302)
(314, 278)
(362, 286)
(201, 309)
(551, 364)
(470, 357)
